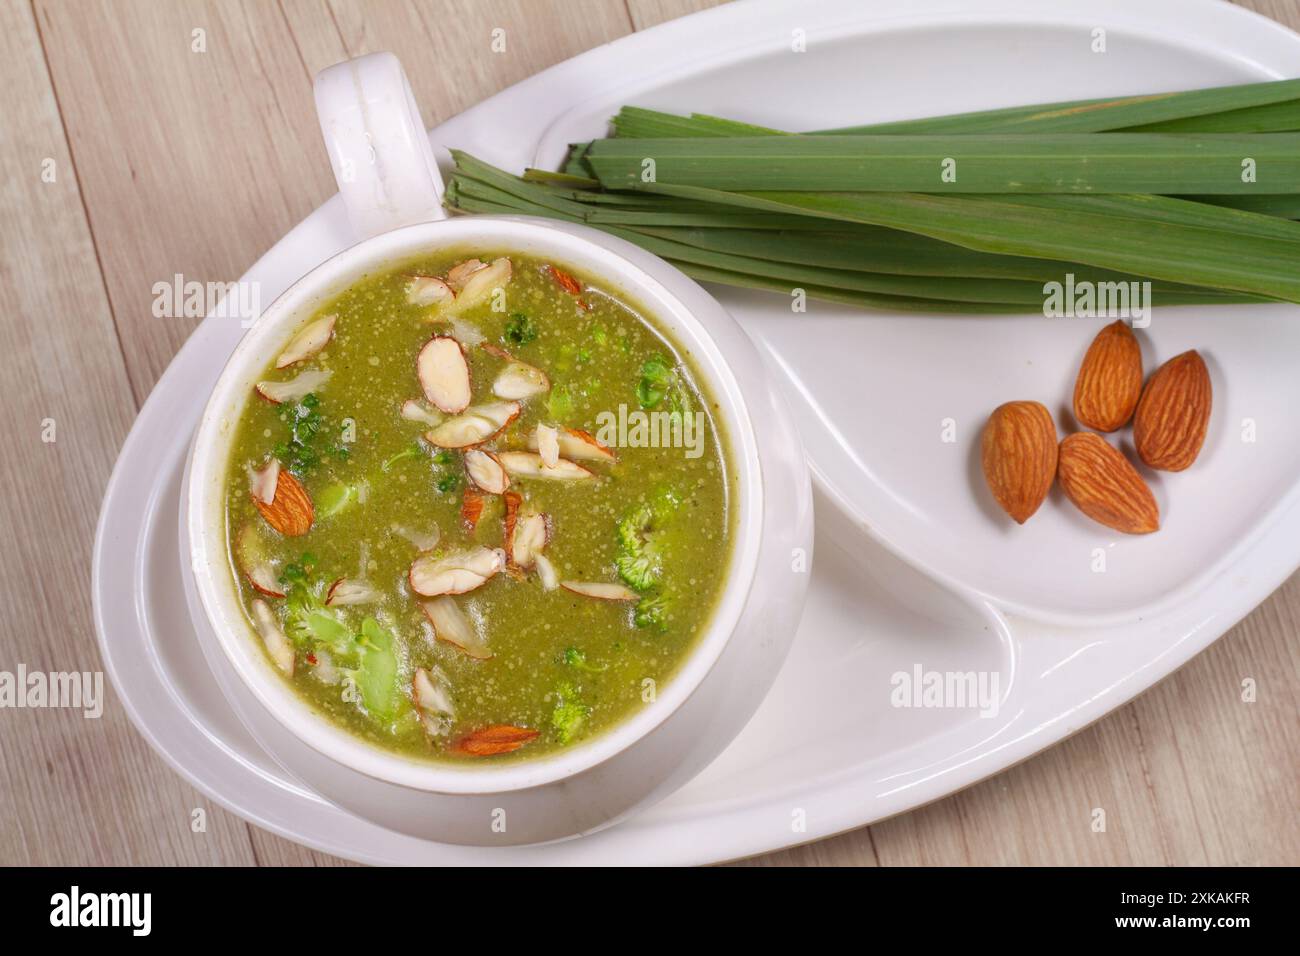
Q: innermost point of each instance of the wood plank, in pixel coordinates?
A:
(459, 54)
(74, 789)
(201, 161)
(649, 13)
(1286, 12)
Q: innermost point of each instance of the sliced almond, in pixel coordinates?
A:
(467, 333)
(444, 374)
(262, 578)
(423, 540)
(570, 285)
(277, 645)
(308, 342)
(575, 444)
(459, 274)
(496, 351)
(480, 285)
(432, 701)
(513, 501)
(416, 411)
(471, 508)
(455, 573)
(452, 626)
(346, 593)
(290, 511)
(300, 386)
(474, 426)
(428, 290)
(262, 481)
(519, 380)
(530, 535)
(322, 667)
(527, 464)
(494, 740)
(486, 471)
(601, 590)
(548, 445)
(546, 572)
(565, 281)
(256, 566)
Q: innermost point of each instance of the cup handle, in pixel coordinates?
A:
(377, 144)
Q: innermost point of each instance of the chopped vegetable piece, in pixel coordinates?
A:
(575, 657)
(412, 450)
(520, 330)
(569, 713)
(651, 612)
(560, 403)
(376, 675)
(335, 498)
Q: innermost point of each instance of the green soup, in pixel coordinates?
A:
(481, 510)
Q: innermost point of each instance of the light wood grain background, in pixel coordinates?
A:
(169, 161)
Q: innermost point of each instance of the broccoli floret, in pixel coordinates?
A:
(652, 612)
(301, 453)
(577, 658)
(632, 526)
(638, 571)
(306, 619)
(639, 562)
(569, 713)
(656, 379)
(520, 329)
(660, 380)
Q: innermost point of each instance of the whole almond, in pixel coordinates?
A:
(1169, 427)
(290, 511)
(1110, 379)
(1104, 486)
(1019, 453)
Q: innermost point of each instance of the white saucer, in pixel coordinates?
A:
(911, 569)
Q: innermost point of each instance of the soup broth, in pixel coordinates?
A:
(479, 508)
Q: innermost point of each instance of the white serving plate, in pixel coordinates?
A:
(913, 567)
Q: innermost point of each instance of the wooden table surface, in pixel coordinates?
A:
(167, 160)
